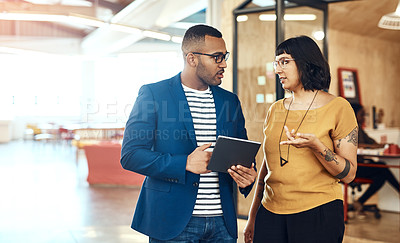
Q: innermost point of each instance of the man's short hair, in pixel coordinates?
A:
(195, 36)
(356, 107)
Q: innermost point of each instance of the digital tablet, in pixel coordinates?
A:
(230, 151)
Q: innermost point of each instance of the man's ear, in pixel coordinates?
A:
(191, 59)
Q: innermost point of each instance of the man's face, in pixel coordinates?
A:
(208, 71)
(360, 116)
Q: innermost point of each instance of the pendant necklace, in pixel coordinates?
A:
(282, 160)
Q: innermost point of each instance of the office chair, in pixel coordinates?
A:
(356, 184)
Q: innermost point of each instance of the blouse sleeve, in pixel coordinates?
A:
(270, 113)
(267, 117)
(345, 119)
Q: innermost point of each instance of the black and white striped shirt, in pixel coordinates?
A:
(202, 108)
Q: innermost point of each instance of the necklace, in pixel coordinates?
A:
(282, 160)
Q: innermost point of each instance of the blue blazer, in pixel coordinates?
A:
(159, 136)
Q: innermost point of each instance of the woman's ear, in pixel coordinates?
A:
(191, 59)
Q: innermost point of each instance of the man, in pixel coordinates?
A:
(378, 175)
(169, 138)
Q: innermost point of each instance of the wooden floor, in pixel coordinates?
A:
(45, 199)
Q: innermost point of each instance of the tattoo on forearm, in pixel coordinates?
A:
(353, 136)
(345, 171)
(329, 156)
(338, 145)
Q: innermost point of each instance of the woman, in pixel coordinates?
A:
(310, 144)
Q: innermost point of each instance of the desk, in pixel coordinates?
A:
(386, 135)
(386, 157)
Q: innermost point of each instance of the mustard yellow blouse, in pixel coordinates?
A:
(303, 183)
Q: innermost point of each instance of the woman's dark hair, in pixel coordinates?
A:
(313, 68)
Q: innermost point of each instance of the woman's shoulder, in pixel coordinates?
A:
(279, 104)
(327, 99)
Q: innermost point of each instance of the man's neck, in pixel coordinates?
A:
(191, 82)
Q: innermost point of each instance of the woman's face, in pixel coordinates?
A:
(287, 71)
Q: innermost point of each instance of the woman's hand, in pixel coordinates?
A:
(300, 140)
(249, 231)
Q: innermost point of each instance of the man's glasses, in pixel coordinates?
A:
(282, 63)
(218, 57)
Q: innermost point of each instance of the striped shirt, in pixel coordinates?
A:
(202, 108)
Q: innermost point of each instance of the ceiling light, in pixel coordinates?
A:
(242, 18)
(156, 35)
(79, 3)
(288, 17)
(319, 35)
(391, 21)
(86, 21)
(177, 39)
(33, 17)
(300, 17)
(77, 19)
(183, 25)
(126, 29)
(18, 51)
(267, 17)
(264, 3)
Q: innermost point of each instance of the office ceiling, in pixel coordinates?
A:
(362, 17)
(165, 16)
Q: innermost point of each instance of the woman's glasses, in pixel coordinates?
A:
(282, 62)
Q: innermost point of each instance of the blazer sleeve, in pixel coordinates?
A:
(242, 132)
(137, 152)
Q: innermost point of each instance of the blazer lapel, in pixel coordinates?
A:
(184, 115)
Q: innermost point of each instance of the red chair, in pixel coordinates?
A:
(356, 184)
(65, 135)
